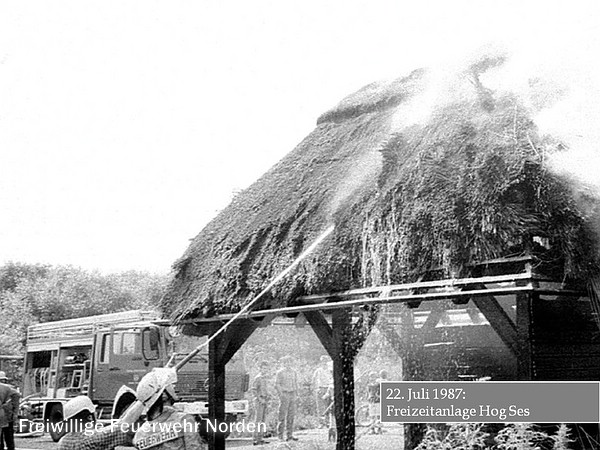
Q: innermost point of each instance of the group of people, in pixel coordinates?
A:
(286, 388)
(9, 409)
(155, 396)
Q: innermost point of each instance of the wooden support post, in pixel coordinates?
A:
(216, 391)
(220, 351)
(412, 370)
(342, 341)
(499, 320)
(412, 364)
(524, 330)
(343, 375)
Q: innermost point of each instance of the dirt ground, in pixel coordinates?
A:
(390, 439)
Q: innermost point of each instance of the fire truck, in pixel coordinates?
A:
(104, 357)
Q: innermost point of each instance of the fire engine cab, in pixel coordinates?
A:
(104, 357)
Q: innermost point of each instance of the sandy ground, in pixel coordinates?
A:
(390, 439)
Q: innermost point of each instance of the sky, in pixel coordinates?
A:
(126, 126)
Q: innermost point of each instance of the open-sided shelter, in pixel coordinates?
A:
(444, 201)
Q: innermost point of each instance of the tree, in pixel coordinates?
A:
(14, 320)
(12, 273)
(36, 293)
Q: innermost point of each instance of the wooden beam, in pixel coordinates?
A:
(266, 320)
(474, 315)
(431, 296)
(436, 313)
(524, 317)
(235, 338)
(319, 324)
(300, 321)
(500, 321)
(450, 282)
(414, 304)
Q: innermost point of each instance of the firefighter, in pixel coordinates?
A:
(84, 434)
(166, 428)
(9, 408)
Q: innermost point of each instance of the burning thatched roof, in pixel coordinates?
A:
(467, 181)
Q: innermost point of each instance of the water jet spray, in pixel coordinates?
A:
(247, 307)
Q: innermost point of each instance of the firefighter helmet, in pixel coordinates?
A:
(153, 384)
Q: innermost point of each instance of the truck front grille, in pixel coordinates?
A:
(193, 386)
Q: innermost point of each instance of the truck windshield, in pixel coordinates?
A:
(125, 344)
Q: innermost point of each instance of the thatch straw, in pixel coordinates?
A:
(469, 183)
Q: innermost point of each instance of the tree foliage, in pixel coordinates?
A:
(32, 293)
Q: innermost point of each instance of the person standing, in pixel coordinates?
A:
(286, 385)
(9, 409)
(321, 381)
(261, 398)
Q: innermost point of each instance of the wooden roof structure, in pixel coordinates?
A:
(415, 202)
(343, 320)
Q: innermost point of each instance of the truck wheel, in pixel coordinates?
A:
(56, 428)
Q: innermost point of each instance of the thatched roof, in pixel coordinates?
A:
(469, 181)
